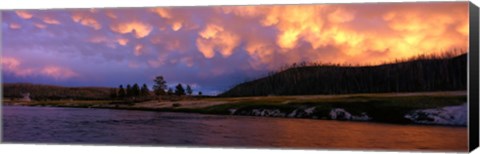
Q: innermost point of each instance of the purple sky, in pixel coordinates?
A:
(214, 48)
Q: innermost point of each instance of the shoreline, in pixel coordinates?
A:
(421, 108)
(230, 115)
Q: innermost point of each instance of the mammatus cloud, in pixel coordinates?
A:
(24, 14)
(122, 41)
(50, 20)
(140, 29)
(40, 26)
(402, 31)
(15, 26)
(57, 72)
(13, 65)
(138, 50)
(162, 12)
(216, 47)
(86, 21)
(214, 37)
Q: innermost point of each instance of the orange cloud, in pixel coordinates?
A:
(138, 49)
(215, 37)
(103, 40)
(40, 26)
(138, 28)
(12, 65)
(9, 63)
(261, 53)
(111, 15)
(358, 34)
(122, 41)
(155, 63)
(15, 26)
(24, 14)
(86, 21)
(51, 21)
(340, 16)
(162, 12)
(57, 72)
(176, 26)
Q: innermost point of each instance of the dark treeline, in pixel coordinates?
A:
(160, 88)
(422, 73)
(127, 93)
(131, 92)
(49, 92)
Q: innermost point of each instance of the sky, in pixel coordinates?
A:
(213, 48)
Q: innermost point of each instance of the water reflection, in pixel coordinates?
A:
(103, 126)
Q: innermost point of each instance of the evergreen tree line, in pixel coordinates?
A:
(50, 92)
(160, 88)
(422, 73)
(130, 91)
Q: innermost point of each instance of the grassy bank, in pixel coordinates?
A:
(387, 107)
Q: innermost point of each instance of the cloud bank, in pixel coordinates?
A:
(214, 48)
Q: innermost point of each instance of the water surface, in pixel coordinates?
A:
(105, 126)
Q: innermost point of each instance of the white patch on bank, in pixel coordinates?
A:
(341, 114)
(450, 115)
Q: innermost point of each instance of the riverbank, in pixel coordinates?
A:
(431, 108)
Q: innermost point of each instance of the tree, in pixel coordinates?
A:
(113, 93)
(189, 90)
(179, 90)
(121, 92)
(159, 85)
(129, 91)
(170, 91)
(144, 91)
(199, 93)
(135, 90)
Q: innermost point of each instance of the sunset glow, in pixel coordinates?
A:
(214, 48)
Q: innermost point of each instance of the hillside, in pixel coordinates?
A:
(44, 92)
(418, 74)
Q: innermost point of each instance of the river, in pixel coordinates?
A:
(23, 124)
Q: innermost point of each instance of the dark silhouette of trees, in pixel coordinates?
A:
(170, 91)
(159, 85)
(422, 73)
(113, 93)
(179, 91)
(189, 90)
(129, 92)
(121, 92)
(135, 90)
(132, 92)
(199, 93)
(144, 91)
(50, 92)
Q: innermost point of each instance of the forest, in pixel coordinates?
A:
(445, 72)
(46, 92)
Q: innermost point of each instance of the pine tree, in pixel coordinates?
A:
(121, 92)
(144, 91)
(129, 91)
(170, 91)
(159, 85)
(179, 90)
(135, 90)
(113, 93)
(189, 90)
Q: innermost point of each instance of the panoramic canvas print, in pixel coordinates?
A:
(376, 76)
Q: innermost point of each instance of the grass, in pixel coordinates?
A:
(389, 108)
